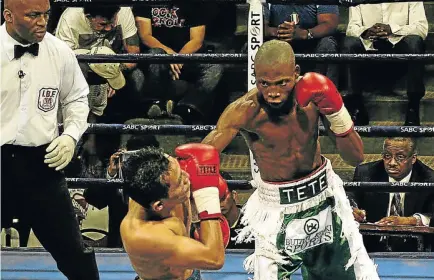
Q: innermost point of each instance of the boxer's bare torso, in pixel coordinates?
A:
(143, 240)
(286, 148)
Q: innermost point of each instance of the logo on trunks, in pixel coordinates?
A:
(302, 234)
(47, 99)
(296, 245)
(311, 226)
(207, 170)
(306, 190)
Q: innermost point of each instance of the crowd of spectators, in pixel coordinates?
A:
(190, 92)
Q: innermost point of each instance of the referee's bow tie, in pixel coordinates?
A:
(19, 50)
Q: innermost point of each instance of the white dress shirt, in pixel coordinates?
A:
(425, 220)
(404, 18)
(52, 81)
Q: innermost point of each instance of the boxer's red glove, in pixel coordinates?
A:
(316, 88)
(202, 163)
(226, 231)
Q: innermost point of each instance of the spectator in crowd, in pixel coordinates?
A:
(314, 33)
(96, 29)
(232, 212)
(399, 164)
(386, 28)
(114, 198)
(179, 28)
(41, 77)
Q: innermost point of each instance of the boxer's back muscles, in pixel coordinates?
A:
(162, 249)
(284, 148)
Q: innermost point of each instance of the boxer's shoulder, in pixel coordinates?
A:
(244, 108)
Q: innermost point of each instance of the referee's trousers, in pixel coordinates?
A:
(38, 195)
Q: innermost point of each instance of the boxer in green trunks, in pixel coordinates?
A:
(299, 215)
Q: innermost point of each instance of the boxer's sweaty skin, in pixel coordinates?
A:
(157, 240)
(151, 266)
(283, 150)
(284, 143)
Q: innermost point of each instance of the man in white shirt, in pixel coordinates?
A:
(40, 76)
(105, 29)
(399, 164)
(386, 28)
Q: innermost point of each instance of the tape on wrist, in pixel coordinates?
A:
(207, 200)
(340, 122)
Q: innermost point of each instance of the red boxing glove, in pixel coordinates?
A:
(226, 231)
(316, 88)
(202, 163)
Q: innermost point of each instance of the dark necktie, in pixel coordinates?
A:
(19, 50)
(396, 209)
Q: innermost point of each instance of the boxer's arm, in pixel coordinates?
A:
(321, 91)
(183, 212)
(350, 146)
(185, 252)
(233, 118)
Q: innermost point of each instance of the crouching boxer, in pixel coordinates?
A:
(155, 231)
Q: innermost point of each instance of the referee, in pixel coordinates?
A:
(40, 74)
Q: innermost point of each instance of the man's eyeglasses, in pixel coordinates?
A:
(398, 158)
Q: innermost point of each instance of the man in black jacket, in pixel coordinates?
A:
(399, 164)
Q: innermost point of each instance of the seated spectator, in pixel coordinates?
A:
(232, 212)
(114, 198)
(178, 28)
(399, 28)
(399, 164)
(314, 33)
(97, 29)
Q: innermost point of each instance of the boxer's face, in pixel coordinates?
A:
(228, 201)
(275, 84)
(27, 20)
(398, 159)
(179, 182)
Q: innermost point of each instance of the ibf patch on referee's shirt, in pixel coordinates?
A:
(47, 99)
(207, 170)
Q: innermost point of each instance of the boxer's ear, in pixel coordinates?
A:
(235, 196)
(7, 14)
(297, 71)
(157, 206)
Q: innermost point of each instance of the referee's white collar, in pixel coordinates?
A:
(8, 42)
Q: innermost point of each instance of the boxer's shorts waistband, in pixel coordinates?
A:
(295, 191)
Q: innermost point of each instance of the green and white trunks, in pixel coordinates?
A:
(305, 223)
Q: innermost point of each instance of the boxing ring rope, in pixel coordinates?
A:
(235, 58)
(200, 130)
(245, 185)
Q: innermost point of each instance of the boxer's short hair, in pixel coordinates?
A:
(142, 176)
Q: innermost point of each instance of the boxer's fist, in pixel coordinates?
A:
(226, 231)
(318, 89)
(202, 163)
